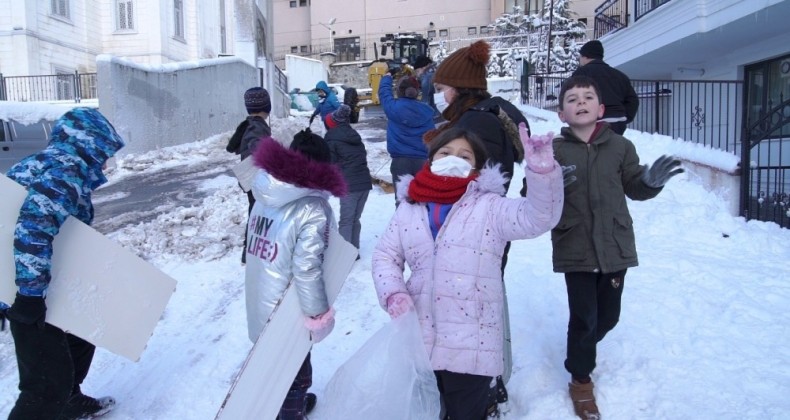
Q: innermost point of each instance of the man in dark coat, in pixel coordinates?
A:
(348, 151)
(618, 95)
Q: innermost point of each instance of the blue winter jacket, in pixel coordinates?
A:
(59, 181)
(407, 120)
(330, 104)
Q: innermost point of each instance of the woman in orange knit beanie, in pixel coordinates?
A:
(462, 97)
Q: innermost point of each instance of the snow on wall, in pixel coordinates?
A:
(161, 106)
(304, 73)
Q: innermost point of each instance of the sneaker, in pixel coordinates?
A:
(584, 400)
(81, 406)
(311, 401)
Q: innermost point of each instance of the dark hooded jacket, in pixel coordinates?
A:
(348, 151)
(618, 95)
(247, 135)
(596, 232)
(498, 131)
(59, 181)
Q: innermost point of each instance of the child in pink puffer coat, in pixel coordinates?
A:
(451, 229)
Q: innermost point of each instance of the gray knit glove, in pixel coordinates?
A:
(663, 168)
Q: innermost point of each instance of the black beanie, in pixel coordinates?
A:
(257, 100)
(421, 62)
(592, 49)
(311, 145)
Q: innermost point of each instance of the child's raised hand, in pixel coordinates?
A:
(538, 151)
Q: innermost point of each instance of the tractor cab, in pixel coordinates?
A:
(405, 48)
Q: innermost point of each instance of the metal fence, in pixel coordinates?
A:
(55, 87)
(704, 112)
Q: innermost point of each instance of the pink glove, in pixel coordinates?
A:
(398, 304)
(320, 326)
(537, 150)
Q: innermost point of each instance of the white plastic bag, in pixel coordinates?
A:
(388, 378)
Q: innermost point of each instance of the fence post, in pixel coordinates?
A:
(657, 127)
(2, 88)
(77, 87)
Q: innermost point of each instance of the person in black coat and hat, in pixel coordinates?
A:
(348, 151)
(248, 133)
(617, 94)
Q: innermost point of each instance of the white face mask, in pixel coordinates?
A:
(438, 100)
(451, 166)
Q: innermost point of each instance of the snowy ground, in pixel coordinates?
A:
(704, 332)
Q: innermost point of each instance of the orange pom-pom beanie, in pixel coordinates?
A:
(465, 68)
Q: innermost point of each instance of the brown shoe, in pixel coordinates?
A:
(584, 400)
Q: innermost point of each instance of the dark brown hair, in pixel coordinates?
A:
(578, 81)
(466, 99)
(446, 136)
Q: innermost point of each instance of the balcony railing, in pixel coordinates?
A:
(55, 87)
(643, 7)
(613, 15)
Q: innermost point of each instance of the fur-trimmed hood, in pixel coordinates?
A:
(491, 179)
(286, 166)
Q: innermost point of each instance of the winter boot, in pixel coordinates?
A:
(311, 400)
(584, 400)
(81, 406)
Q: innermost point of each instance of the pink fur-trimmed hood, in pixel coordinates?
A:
(292, 167)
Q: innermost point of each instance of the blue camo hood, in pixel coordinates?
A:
(89, 134)
(323, 86)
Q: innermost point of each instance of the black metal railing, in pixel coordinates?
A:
(280, 79)
(610, 16)
(643, 7)
(704, 112)
(55, 87)
(765, 186)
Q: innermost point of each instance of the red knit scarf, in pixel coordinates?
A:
(428, 187)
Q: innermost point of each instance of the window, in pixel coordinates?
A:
(347, 49)
(294, 49)
(485, 30)
(125, 17)
(472, 30)
(583, 20)
(302, 3)
(60, 8)
(432, 34)
(178, 18)
(303, 49)
(442, 32)
(292, 3)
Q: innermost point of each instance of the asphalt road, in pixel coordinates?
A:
(143, 197)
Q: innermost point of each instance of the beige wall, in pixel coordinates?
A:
(371, 19)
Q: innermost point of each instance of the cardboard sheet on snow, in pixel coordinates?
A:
(99, 291)
(270, 368)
